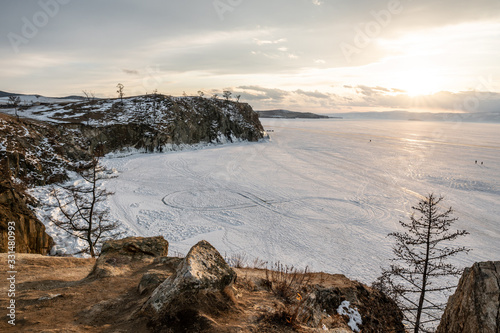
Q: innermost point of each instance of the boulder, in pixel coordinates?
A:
(117, 255)
(199, 287)
(137, 247)
(29, 231)
(475, 305)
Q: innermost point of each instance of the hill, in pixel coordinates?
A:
(289, 114)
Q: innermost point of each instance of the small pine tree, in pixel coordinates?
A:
(420, 262)
(81, 208)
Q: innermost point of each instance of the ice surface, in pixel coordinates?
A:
(320, 193)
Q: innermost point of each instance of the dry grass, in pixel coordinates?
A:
(287, 281)
(237, 260)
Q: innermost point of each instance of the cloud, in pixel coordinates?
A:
(130, 71)
(262, 93)
(193, 48)
(315, 94)
(373, 98)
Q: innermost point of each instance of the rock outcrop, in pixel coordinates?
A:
(199, 287)
(30, 235)
(117, 256)
(475, 306)
(196, 294)
(187, 120)
(377, 312)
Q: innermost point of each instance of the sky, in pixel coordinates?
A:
(324, 56)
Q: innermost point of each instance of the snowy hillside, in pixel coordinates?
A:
(28, 100)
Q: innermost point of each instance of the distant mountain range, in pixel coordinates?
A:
(8, 94)
(289, 114)
(478, 117)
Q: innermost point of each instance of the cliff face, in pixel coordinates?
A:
(475, 306)
(30, 236)
(174, 121)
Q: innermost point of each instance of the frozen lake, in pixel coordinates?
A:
(319, 193)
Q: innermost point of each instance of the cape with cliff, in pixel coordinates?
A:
(134, 285)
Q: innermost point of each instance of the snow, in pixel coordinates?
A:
(318, 194)
(353, 314)
(29, 99)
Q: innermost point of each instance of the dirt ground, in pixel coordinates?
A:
(55, 294)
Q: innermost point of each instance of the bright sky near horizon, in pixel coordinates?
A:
(306, 55)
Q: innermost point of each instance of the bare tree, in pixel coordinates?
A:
(120, 91)
(227, 94)
(420, 263)
(238, 98)
(14, 102)
(155, 104)
(81, 208)
(201, 93)
(89, 96)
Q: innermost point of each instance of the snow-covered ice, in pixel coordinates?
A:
(319, 193)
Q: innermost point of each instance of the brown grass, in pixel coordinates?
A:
(287, 281)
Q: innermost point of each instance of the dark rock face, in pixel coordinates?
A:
(117, 256)
(30, 232)
(475, 306)
(198, 288)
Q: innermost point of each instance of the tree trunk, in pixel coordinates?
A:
(426, 267)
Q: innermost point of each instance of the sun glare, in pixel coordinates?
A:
(419, 81)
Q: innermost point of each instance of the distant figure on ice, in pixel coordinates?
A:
(476, 161)
(370, 140)
(481, 163)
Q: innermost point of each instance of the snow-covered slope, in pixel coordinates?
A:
(32, 99)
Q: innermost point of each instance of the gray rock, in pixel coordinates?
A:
(198, 285)
(151, 280)
(117, 255)
(475, 306)
(137, 247)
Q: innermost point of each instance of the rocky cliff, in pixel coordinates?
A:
(30, 236)
(475, 306)
(53, 139)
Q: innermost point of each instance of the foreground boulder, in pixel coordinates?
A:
(475, 306)
(30, 233)
(118, 255)
(200, 287)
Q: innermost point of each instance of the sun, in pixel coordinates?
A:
(419, 81)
